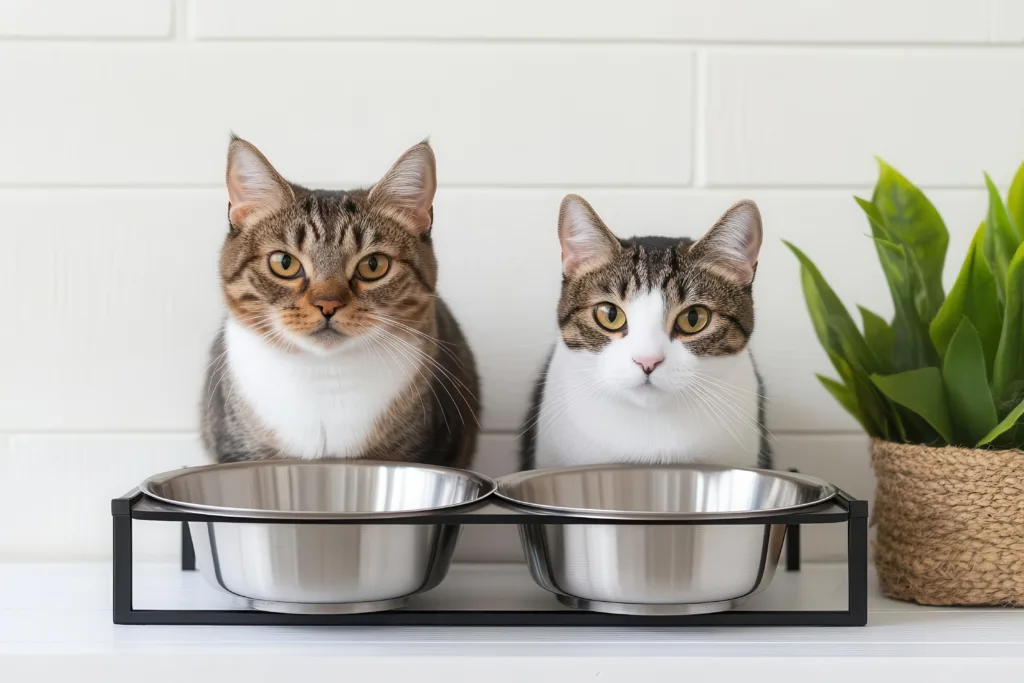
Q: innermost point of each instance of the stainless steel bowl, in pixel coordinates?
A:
(656, 568)
(321, 568)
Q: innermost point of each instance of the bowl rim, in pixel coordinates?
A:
(487, 487)
(504, 482)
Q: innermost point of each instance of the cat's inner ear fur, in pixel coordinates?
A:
(409, 186)
(732, 244)
(587, 243)
(255, 189)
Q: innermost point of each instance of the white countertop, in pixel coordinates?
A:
(49, 612)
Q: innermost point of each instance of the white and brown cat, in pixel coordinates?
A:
(653, 363)
(336, 344)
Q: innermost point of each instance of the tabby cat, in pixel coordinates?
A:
(653, 364)
(335, 344)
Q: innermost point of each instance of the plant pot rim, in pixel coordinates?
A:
(884, 443)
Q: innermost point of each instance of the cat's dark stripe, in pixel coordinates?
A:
(237, 273)
(318, 231)
(739, 326)
(562, 320)
(528, 439)
(765, 456)
(654, 243)
(300, 235)
(681, 290)
(418, 274)
(673, 266)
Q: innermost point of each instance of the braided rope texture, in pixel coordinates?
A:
(949, 523)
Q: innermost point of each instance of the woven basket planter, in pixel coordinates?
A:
(950, 524)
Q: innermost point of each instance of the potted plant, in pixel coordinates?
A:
(940, 391)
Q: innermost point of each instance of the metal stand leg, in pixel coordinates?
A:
(188, 551)
(857, 562)
(122, 567)
(793, 548)
(793, 542)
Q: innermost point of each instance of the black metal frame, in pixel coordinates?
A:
(843, 508)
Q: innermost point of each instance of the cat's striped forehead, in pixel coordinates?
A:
(325, 225)
(326, 228)
(649, 264)
(328, 218)
(665, 266)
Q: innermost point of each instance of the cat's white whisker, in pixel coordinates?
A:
(374, 343)
(723, 420)
(436, 342)
(561, 405)
(729, 386)
(420, 367)
(456, 382)
(744, 418)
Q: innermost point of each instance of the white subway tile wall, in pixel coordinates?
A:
(75, 19)
(116, 116)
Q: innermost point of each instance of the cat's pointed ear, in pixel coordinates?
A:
(733, 243)
(255, 189)
(587, 243)
(410, 186)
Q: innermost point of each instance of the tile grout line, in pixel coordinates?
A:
(714, 45)
(500, 187)
(189, 11)
(178, 18)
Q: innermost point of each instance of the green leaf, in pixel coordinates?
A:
(966, 382)
(878, 335)
(1008, 373)
(833, 325)
(904, 278)
(1008, 422)
(1001, 238)
(973, 296)
(914, 223)
(1015, 202)
(875, 410)
(921, 392)
(912, 345)
(843, 396)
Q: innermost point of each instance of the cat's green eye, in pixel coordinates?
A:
(373, 267)
(609, 316)
(283, 264)
(693, 319)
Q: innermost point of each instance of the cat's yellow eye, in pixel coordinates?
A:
(609, 316)
(283, 264)
(373, 267)
(693, 319)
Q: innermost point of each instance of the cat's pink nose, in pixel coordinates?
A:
(648, 363)
(328, 306)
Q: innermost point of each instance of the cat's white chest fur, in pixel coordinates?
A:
(316, 406)
(714, 421)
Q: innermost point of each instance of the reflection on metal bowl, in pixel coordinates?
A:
(311, 565)
(661, 568)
